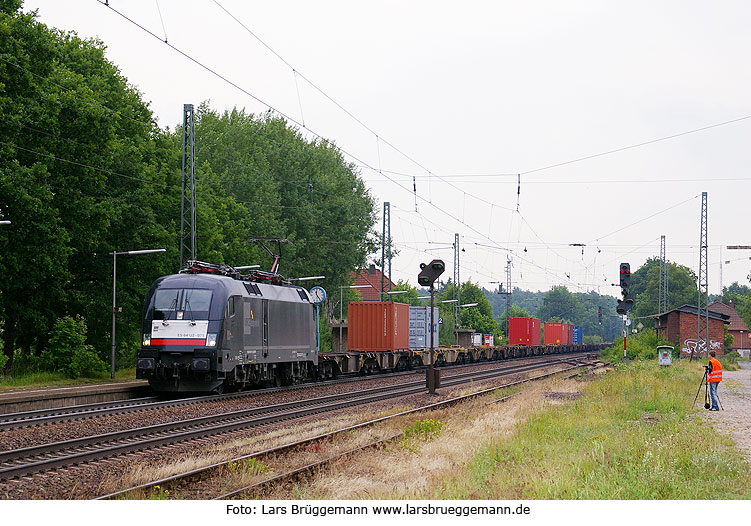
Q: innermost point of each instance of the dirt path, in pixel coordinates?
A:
(735, 397)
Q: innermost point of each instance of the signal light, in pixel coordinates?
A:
(625, 305)
(430, 272)
(625, 275)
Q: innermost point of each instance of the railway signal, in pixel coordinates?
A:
(429, 272)
(625, 271)
(427, 276)
(627, 302)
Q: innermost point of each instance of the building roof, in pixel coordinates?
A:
(371, 276)
(736, 323)
(692, 309)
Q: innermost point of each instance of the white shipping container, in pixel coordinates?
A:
(419, 333)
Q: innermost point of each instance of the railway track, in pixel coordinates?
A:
(252, 489)
(29, 460)
(40, 417)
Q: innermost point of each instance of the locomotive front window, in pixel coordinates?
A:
(171, 304)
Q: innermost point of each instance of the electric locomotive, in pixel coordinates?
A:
(211, 328)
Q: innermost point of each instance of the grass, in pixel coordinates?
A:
(632, 435)
(47, 379)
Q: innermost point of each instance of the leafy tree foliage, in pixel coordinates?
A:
(79, 167)
(645, 286)
(85, 171)
(68, 351)
(480, 318)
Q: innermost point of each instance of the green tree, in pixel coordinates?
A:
(479, 317)
(561, 304)
(411, 294)
(645, 285)
(79, 167)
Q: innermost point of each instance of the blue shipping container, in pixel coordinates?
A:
(578, 335)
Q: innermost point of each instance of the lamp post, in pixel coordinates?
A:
(391, 292)
(741, 348)
(341, 306)
(114, 294)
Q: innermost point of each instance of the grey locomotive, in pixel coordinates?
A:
(212, 329)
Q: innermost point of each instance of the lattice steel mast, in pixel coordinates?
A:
(457, 288)
(702, 304)
(188, 204)
(662, 295)
(386, 246)
(508, 290)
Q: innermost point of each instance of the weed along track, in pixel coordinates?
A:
(253, 475)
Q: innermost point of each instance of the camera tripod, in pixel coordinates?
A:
(704, 383)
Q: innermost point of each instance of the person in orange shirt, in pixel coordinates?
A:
(714, 377)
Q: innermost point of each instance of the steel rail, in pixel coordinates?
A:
(38, 417)
(34, 459)
(200, 472)
(298, 472)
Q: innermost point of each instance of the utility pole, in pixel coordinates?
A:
(386, 243)
(188, 205)
(457, 288)
(702, 321)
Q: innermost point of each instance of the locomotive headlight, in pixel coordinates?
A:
(211, 340)
(146, 339)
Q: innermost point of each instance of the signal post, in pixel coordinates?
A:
(627, 302)
(428, 274)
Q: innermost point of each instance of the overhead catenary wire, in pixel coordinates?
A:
(380, 170)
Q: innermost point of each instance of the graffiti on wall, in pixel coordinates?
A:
(690, 345)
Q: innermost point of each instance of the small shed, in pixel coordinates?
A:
(680, 327)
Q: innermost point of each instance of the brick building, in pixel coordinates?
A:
(737, 328)
(679, 327)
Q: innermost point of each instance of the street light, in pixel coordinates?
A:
(341, 306)
(390, 292)
(4, 222)
(114, 294)
(468, 305)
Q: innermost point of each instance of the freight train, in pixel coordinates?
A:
(211, 328)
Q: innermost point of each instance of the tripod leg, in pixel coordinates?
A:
(703, 382)
(698, 391)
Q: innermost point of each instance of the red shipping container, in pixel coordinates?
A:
(558, 333)
(524, 331)
(378, 326)
(535, 331)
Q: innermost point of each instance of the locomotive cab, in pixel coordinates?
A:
(208, 332)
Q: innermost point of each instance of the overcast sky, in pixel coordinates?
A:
(472, 93)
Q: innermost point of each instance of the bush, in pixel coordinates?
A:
(68, 351)
(641, 346)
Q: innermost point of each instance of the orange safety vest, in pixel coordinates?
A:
(715, 372)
